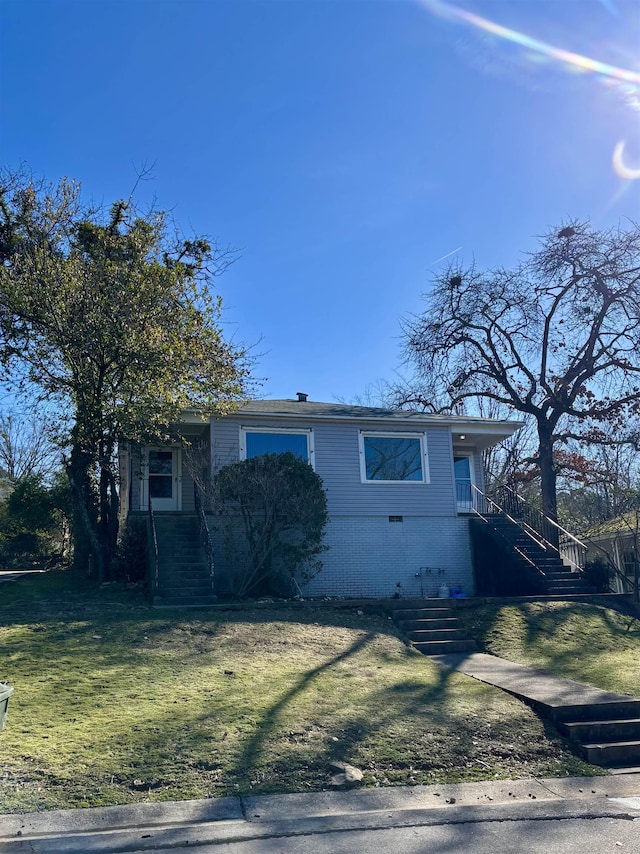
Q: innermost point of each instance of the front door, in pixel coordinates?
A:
(163, 480)
(463, 470)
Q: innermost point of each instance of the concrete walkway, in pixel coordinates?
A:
(558, 696)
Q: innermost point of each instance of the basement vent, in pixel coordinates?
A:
(395, 518)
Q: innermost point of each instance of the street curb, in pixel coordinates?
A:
(327, 806)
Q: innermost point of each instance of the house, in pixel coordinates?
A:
(399, 487)
(617, 543)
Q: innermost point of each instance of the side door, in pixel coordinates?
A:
(463, 472)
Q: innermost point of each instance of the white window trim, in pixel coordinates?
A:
(422, 437)
(297, 431)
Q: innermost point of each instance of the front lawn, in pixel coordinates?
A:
(116, 703)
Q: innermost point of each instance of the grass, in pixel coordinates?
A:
(589, 643)
(117, 703)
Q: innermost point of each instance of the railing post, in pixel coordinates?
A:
(205, 536)
(153, 551)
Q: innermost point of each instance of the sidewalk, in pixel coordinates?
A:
(164, 825)
(539, 687)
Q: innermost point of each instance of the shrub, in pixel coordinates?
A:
(33, 521)
(275, 511)
(598, 573)
(131, 560)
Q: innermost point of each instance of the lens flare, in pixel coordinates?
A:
(576, 60)
(621, 168)
(625, 80)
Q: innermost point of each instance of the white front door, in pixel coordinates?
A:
(463, 471)
(162, 479)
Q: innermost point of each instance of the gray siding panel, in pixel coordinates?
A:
(337, 461)
(188, 492)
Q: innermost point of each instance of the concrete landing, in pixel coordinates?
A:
(537, 686)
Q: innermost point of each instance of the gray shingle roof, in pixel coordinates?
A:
(314, 409)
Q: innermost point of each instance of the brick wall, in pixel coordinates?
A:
(369, 556)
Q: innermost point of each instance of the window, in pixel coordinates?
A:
(160, 474)
(629, 563)
(254, 443)
(391, 457)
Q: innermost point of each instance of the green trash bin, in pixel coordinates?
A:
(5, 692)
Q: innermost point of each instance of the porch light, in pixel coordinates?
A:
(462, 436)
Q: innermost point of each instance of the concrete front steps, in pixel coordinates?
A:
(604, 726)
(184, 580)
(433, 630)
(608, 733)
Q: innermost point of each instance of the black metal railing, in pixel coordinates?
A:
(549, 535)
(464, 495)
(205, 535)
(153, 551)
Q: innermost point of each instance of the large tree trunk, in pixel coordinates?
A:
(548, 476)
(108, 523)
(86, 550)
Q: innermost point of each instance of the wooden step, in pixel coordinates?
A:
(184, 601)
(436, 635)
(407, 626)
(433, 613)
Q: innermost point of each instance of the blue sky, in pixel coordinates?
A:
(344, 145)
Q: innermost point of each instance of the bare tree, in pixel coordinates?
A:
(557, 339)
(26, 446)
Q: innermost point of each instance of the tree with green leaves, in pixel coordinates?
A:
(556, 339)
(274, 509)
(112, 315)
(34, 519)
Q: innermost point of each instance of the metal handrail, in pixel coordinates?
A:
(155, 580)
(510, 545)
(530, 520)
(205, 533)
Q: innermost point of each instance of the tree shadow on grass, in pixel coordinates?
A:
(399, 698)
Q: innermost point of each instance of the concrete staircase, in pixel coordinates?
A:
(604, 726)
(184, 580)
(543, 567)
(433, 630)
(608, 733)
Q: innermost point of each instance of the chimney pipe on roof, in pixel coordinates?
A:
(302, 397)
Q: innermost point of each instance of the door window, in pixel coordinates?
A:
(160, 474)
